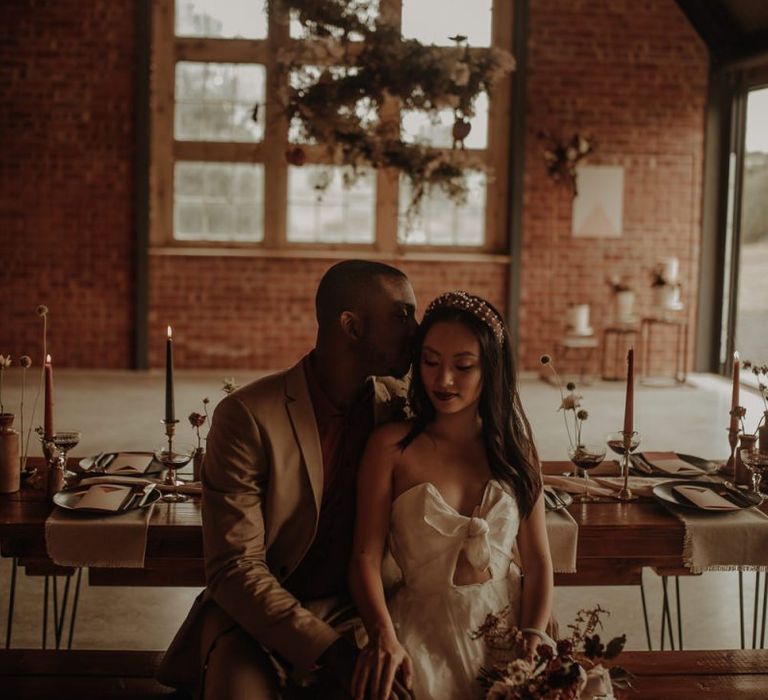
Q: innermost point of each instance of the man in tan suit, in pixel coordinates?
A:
(278, 501)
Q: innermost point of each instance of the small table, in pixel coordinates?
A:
(623, 336)
(680, 327)
(582, 347)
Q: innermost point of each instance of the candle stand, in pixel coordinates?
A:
(172, 460)
(55, 473)
(624, 493)
(729, 469)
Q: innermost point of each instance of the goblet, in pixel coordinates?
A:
(623, 444)
(173, 458)
(587, 457)
(757, 463)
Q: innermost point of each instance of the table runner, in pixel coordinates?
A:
(724, 541)
(563, 535)
(74, 539)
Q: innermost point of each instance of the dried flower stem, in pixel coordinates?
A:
(23, 455)
(551, 366)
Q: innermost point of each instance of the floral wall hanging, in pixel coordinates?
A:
(340, 89)
(561, 157)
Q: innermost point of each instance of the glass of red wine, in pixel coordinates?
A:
(587, 457)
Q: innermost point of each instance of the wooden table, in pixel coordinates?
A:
(615, 541)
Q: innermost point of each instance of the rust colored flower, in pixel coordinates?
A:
(583, 414)
(196, 420)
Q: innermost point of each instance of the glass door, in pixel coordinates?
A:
(751, 308)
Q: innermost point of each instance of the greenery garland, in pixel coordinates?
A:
(340, 87)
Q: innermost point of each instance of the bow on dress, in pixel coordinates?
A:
(474, 530)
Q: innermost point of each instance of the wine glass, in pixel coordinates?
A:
(64, 441)
(757, 463)
(173, 458)
(616, 442)
(587, 457)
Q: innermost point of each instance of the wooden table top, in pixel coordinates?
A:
(615, 539)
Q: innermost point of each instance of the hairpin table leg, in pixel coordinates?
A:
(757, 603)
(73, 616)
(645, 613)
(11, 603)
(741, 607)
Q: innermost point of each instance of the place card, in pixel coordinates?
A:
(704, 498)
(674, 466)
(109, 497)
(128, 463)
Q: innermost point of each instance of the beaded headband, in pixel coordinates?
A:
(474, 305)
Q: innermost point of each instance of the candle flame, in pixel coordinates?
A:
(736, 356)
(170, 332)
(48, 359)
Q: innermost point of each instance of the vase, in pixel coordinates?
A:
(197, 463)
(625, 307)
(741, 475)
(762, 439)
(10, 467)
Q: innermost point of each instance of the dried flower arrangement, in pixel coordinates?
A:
(562, 157)
(5, 362)
(619, 283)
(340, 90)
(198, 420)
(761, 375)
(559, 673)
(570, 403)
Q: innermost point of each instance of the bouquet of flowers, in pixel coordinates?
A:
(560, 673)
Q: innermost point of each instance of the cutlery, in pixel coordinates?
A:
(90, 462)
(145, 493)
(107, 460)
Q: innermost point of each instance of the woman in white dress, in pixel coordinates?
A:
(456, 492)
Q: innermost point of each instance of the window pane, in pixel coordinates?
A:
(215, 101)
(218, 202)
(221, 18)
(420, 127)
(338, 214)
(297, 31)
(441, 221)
(433, 21)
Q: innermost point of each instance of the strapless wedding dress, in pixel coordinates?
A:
(434, 617)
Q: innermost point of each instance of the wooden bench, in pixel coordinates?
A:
(82, 675)
(696, 675)
(106, 675)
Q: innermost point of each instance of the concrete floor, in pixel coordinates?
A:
(122, 410)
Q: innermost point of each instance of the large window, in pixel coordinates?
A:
(219, 177)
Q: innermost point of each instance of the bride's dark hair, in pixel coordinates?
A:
(506, 432)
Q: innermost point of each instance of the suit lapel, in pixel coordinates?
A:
(302, 415)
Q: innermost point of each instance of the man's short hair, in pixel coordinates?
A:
(346, 284)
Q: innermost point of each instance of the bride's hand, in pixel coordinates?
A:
(376, 668)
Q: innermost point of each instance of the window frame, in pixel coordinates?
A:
(165, 150)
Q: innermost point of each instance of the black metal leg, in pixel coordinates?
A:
(63, 613)
(55, 613)
(754, 612)
(765, 600)
(73, 616)
(45, 610)
(679, 614)
(11, 603)
(741, 607)
(645, 614)
(664, 611)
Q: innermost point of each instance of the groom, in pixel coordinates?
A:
(279, 499)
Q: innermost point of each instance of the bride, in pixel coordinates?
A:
(457, 490)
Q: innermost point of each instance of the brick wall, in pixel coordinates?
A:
(67, 179)
(633, 75)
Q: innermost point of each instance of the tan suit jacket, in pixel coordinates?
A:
(262, 488)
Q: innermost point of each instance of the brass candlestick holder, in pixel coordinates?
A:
(55, 472)
(729, 468)
(625, 494)
(172, 460)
